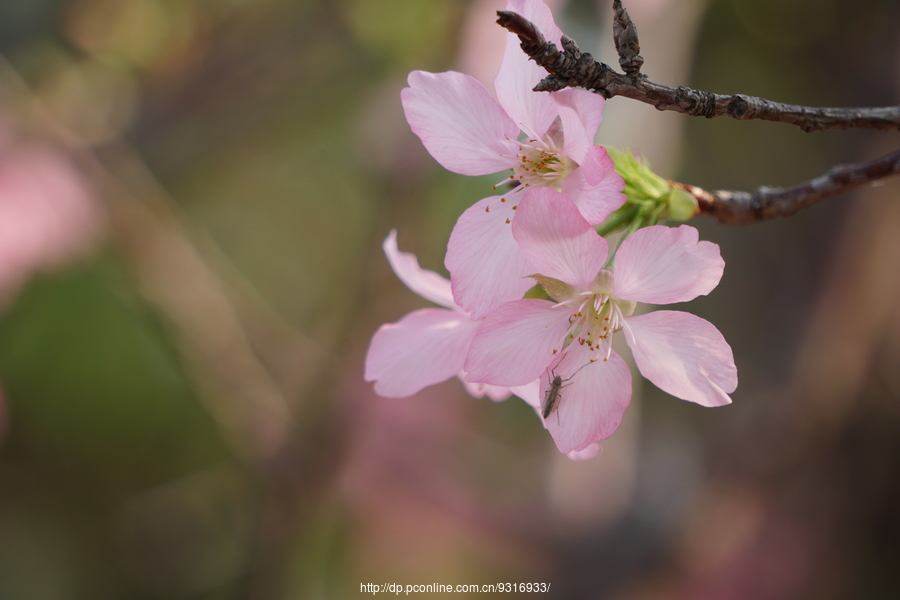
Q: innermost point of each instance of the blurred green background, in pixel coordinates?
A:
(183, 412)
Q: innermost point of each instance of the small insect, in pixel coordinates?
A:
(552, 398)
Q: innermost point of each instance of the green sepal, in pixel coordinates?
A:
(682, 206)
(641, 183)
(556, 289)
(536, 292)
(649, 196)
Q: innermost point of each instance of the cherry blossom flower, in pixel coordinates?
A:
(426, 346)
(682, 354)
(429, 346)
(469, 132)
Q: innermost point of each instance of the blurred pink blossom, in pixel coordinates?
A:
(47, 213)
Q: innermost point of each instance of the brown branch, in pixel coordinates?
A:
(737, 208)
(570, 67)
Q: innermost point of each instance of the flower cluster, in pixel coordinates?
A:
(554, 352)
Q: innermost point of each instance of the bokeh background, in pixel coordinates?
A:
(193, 194)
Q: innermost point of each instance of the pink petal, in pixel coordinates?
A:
(588, 453)
(662, 265)
(595, 187)
(683, 355)
(533, 111)
(516, 342)
(592, 399)
(556, 239)
(460, 123)
(530, 393)
(425, 347)
(496, 393)
(581, 113)
(485, 263)
(425, 283)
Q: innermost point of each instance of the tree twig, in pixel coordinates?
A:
(626, 39)
(570, 67)
(733, 207)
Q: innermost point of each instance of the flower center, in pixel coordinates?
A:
(598, 315)
(540, 163)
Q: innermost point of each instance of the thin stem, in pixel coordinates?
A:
(636, 223)
(617, 221)
(655, 215)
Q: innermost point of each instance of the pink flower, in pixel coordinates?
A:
(426, 346)
(682, 354)
(469, 132)
(429, 346)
